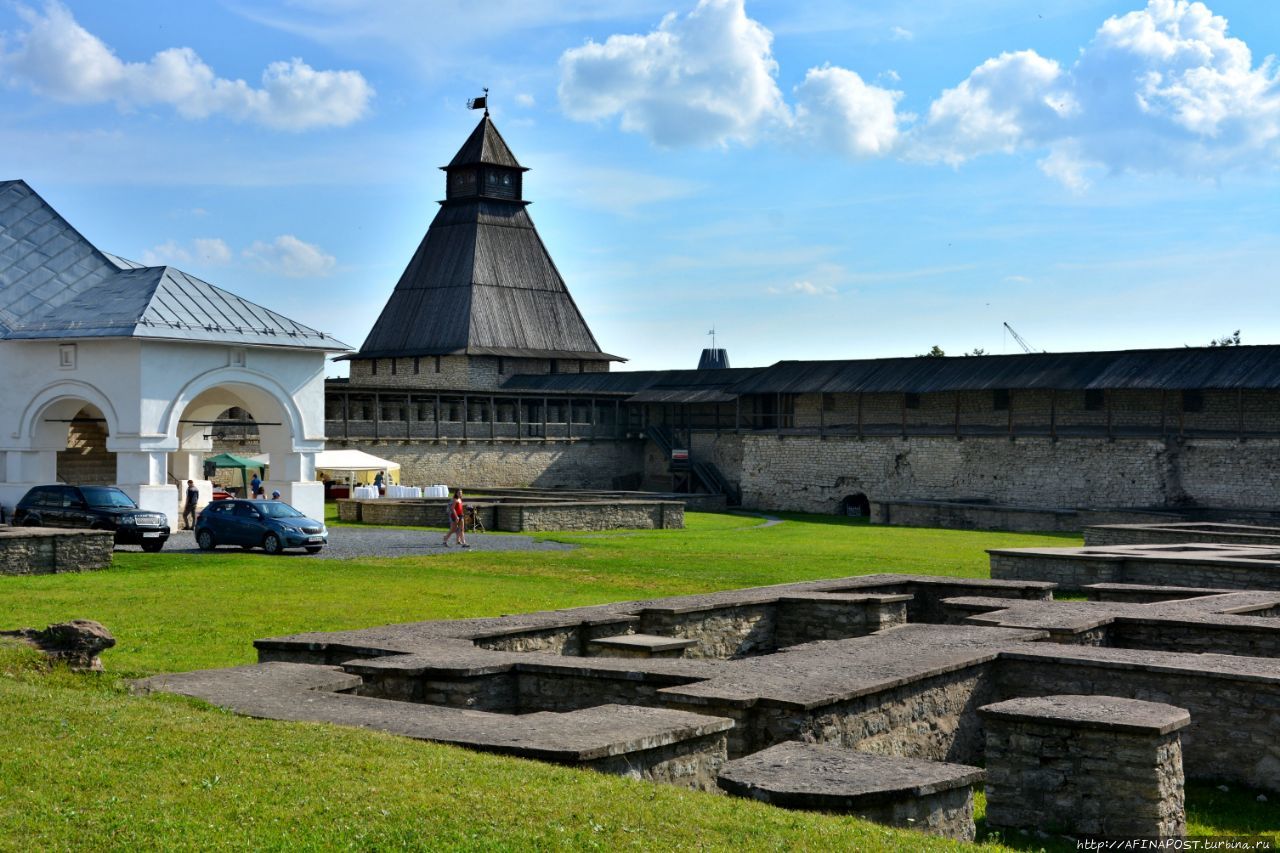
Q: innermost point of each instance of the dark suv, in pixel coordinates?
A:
(95, 507)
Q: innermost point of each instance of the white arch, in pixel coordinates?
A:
(67, 390)
(230, 377)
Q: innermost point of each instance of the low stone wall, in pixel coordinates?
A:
(721, 631)
(928, 796)
(692, 763)
(928, 594)
(1085, 765)
(1074, 569)
(45, 551)
(825, 616)
(1143, 594)
(1170, 534)
(1234, 702)
(933, 718)
(1218, 637)
(569, 640)
(555, 690)
(983, 516)
(520, 517)
(532, 517)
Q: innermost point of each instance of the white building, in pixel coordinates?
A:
(112, 372)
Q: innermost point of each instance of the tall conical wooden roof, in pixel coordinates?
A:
(481, 281)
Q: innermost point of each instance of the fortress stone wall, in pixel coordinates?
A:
(1124, 449)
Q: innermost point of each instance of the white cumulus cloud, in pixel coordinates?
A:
(806, 288)
(289, 256)
(209, 251)
(1160, 89)
(703, 79)
(1006, 102)
(839, 111)
(60, 59)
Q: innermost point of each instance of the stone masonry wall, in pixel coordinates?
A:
(1232, 719)
(811, 474)
(691, 763)
(722, 632)
(579, 464)
(1084, 781)
(605, 516)
(813, 618)
(934, 718)
(25, 551)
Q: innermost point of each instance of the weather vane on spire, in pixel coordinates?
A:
(480, 103)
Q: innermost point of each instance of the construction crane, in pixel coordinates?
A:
(1026, 347)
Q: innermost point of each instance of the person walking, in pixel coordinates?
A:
(255, 487)
(189, 509)
(457, 521)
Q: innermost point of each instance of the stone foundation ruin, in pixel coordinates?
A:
(877, 696)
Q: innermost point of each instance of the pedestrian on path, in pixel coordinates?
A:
(189, 510)
(457, 521)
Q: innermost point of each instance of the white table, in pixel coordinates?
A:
(404, 492)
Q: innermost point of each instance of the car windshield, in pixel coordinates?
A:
(275, 509)
(106, 496)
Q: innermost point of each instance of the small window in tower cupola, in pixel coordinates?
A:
(499, 182)
(462, 183)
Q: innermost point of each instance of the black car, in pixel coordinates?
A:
(96, 508)
(274, 525)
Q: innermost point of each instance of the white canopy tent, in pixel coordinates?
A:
(348, 462)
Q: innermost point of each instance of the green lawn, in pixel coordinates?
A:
(85, 764)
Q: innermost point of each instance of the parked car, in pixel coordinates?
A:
(273, 525)
(94, 507)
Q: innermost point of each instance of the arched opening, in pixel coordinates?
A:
(856, 505)
(245, 419)
(85, 459)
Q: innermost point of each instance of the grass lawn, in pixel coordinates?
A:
(85, 764)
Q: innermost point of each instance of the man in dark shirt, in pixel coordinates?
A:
(189, 510)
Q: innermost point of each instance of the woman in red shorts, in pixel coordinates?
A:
(457, 521)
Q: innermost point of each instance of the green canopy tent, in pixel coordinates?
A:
(230, 460)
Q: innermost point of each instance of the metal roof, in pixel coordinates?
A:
(1164, 369)
(54, 284)
(482, 283)
(485, 145)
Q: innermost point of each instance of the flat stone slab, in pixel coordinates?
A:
(816, 674)
(1222, 610)
(832, 778)
(1105, 713)
(299, 692)
(644, 643)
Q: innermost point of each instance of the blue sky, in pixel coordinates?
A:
(817, 180)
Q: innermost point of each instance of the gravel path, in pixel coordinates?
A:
(350, 542)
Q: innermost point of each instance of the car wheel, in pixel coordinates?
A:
(271, 543)
(152, 547)
(204, 539)
(314, 549)
(30, 521)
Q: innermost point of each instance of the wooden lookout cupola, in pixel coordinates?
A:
(481, 298)
(484, 167)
